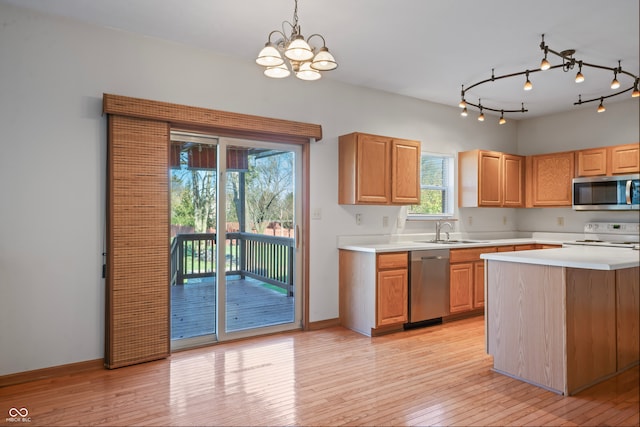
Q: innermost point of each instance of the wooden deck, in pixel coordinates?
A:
(250, 304)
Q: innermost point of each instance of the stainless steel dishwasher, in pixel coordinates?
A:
(429, 286)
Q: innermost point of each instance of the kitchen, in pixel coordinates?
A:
(391, 283)
(65, 97)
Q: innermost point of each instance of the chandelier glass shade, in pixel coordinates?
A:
(293, 53)
(568, 63)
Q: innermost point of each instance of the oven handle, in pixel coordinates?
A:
(628, 191)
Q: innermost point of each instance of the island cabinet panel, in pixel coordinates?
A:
(561, 328)
(591, 326)
(628, 317)
(549, 178)
(521, 320)
(373, 291)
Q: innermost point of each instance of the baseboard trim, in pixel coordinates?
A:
(54, 371)
(323, 324)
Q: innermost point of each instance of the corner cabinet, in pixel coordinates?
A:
(490, 179)
(549, 179)
(378, 170)
(373, 291)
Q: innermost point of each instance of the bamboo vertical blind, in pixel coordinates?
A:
(138, 238)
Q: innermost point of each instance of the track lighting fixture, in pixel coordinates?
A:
(579, 76)
(527, 84)
(568, 63)
(502, 119)
(304, 60)
(481, 116)
(601, 108)
(545, 65)
(464, 112)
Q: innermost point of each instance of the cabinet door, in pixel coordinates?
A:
(460, 287)
(373, 169)
(513, 181)
(592, 162)
(490, 179)
(392, 304)
(625, 159)
(550, 183)
(405, 172)
(478, 284)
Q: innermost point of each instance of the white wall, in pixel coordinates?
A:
(52, 165)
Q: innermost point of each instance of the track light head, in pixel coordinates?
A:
(601, 108)
(527, 84)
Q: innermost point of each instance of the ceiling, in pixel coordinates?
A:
(424, 49)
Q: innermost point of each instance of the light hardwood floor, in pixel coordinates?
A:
(432, 376)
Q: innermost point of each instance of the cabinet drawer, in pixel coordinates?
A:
(471, 254)
(393, 260)
(508, 248)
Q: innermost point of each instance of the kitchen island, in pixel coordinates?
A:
(563, 319)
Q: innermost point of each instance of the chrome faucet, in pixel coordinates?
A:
(439, 225)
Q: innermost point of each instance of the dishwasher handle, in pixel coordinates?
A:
(434, 257)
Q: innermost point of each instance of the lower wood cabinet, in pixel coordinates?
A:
(373, 291)
(466, 275)
(466, 279)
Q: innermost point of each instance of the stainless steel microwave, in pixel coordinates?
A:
(606, 193)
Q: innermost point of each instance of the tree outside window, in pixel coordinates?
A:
(436, 186)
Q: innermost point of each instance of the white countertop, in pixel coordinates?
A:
(588, 257)
(419, 245)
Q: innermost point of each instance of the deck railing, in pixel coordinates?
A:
(262, 257)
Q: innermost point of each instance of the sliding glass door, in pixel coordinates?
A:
(234, 259)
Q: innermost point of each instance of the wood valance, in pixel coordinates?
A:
(221, 123)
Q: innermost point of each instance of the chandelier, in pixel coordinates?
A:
(568, 63)
(305, 61)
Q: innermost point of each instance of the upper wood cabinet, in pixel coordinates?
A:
(490, 179)
(549, 179)
(624, 159)
(614, 160)
(592, 162)
(378, 170)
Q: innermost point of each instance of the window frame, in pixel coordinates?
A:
(450, 188)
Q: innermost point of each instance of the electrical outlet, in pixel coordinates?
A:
(561, 221)
(399, 222)
(385, 221)
(316, 213)
(358, 219)
(504, 220)
(470, 220)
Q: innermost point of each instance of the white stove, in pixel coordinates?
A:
(609, 234)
